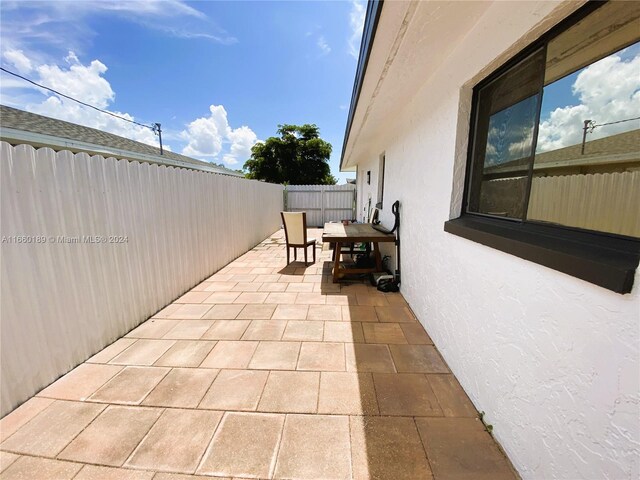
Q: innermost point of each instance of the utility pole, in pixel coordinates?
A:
(158, 131)
(587, 126)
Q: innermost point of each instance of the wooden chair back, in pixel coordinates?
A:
(295, 227)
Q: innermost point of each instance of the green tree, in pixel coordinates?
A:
(298, 156)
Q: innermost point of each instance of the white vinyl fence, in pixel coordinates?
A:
(323, 203)
(92, 247)
(611, 204)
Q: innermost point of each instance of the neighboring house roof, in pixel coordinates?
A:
(20, 127)
(613, 153)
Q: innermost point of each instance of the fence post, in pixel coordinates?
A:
(354, 204)
(322, 201)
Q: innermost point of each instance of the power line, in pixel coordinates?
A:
(78, 101)
(613, 123)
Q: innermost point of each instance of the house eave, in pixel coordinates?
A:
(374, 9)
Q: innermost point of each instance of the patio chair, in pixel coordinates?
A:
(295, 231)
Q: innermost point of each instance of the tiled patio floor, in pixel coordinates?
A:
(261, 371)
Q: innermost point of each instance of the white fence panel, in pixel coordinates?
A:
(602, 201)
(64, 297)
(323, 203)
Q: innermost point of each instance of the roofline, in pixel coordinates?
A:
(374, 9)
(15, 136)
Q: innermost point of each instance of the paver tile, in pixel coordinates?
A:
(111, 437)
(189, 330)
(290, 312)
(405, 394)
(7, 459)
(95, 472)
(52, 429)
(395, 314)
(265, 330)
(185, 353)
(451, 397)
(244, 445)
(357, 313)
(310, 299)
(143, 352)
(193, 297)
(235, 390)
(289, 392)
(273, 287)
(415, 334)
(130, 386)
(387, 448)
(417, 359)
(226, 330)
(182, 387)
(107, 353)
(177, 441)
(11, 422)
(190, 311)
(224, 312)
(389, 333)
(230, 354)
(460, 448)
(347, 393)
(80, 382)
(275, 356)
(303, 330)
(26, 468)
(362, 357)
(322, 356)
(373, 300)
(281, 298)
(221, 287)
(257, 312)
(325, 312)
(153, 328)
(343, 332)
(314, 447)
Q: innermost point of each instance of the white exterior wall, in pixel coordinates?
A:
(552, 360)
(63, 302)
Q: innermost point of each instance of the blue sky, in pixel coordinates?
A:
(606, 92)
(217, 75)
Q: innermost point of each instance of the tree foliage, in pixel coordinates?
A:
(298, 156)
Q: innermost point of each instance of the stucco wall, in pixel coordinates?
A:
(551, 359)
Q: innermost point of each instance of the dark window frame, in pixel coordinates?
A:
(380, 193)
(601, 258)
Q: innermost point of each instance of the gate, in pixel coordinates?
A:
(323, 203)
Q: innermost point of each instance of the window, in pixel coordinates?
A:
(381, 182)
(554, 160)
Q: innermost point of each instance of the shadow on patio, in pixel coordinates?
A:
(261, 371)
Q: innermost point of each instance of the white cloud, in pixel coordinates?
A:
(61, 25)
(19, 60)
(208, 136)
(608, 91)
(356, 22)
(324, 47)
(242, 139)
(83, 82)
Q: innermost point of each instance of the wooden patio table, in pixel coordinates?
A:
(339, 234)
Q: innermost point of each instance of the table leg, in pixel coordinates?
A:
(336, 263)
(376, 252)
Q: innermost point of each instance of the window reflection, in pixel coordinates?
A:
(586, 170)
